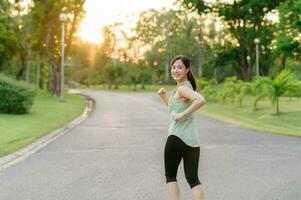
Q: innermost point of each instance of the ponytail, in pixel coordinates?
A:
(191, 79)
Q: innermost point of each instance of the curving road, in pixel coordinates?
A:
(117, 154)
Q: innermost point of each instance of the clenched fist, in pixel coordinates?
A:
(161, 92)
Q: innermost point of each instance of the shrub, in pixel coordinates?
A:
(283, 83)
(208, 88)
(16, 97)
(258, 89)
(233, 88)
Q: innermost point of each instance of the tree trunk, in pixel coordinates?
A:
(167, 37)
(27, 74)
(245, 68)
(277, 105)
(20, 73)
(51, 86)
(38, 82)
(53, 77)
(202, 60)
(71, 32)
(283, 61)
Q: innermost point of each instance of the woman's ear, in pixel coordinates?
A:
(187, 70)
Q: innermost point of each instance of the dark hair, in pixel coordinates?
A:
(186, 61)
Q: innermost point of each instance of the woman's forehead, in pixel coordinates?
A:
(178, 62)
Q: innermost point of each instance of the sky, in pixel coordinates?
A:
(105, 12)
(100, 13)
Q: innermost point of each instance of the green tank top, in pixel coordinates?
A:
(185, 128)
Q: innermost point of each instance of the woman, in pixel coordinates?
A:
(183, 139)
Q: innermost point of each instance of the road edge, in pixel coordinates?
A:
(21, 154)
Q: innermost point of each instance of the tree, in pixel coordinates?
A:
(185, 33)
(284, 82)
(114, 74)
(82, 56)
(8, 36)
(46, 20)
(289, 28)
(258, 90)
(244, 20)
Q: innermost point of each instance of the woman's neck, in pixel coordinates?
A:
(181, 82)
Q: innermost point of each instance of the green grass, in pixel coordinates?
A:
(288, 122)
(47, 114)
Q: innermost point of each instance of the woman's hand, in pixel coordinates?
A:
(177, 116)
(161, 92)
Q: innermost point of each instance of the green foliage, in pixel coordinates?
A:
(208, 88)
(8, 34)
(46, 115)
(139, 74)
(15, 97)
(211, 93)
(113, 74)
(185, 37)
(197, 5)
(85, 69)
(257, 88)
(233, 88)
(225, 62)
(243, 20)
(289, 27)
(283, 83)
(203, 84)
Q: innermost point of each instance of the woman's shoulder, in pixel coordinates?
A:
(186, 84)
(185, 88)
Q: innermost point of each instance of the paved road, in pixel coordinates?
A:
(117, 154)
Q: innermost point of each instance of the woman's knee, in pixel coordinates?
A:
(193, 181)
(170, 178)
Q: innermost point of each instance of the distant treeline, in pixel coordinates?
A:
(218, 37)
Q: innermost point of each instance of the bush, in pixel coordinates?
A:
(16, 97)
(208, 88)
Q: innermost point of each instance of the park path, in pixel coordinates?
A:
(117, 154)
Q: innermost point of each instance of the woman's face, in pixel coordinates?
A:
(179, 71)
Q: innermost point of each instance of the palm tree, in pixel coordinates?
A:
(284, 82)
(257, 89)
(233, 88)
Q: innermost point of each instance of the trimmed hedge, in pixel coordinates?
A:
(16, 97)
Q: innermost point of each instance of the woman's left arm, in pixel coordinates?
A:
(198, 101)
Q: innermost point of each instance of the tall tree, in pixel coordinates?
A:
(289, 29)
(244, 20)
(46, 19)
(8, 36)
(186, 36)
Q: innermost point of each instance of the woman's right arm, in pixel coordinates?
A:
(163, 94)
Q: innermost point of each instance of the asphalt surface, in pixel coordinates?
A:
(117, 154)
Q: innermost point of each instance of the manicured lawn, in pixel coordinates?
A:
(288, 122)
(46, 114)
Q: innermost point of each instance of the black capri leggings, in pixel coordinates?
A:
(175, 150)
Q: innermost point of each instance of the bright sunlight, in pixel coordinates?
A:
(100, 14)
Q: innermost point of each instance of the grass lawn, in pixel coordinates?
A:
(288, 122)
(46, 114)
